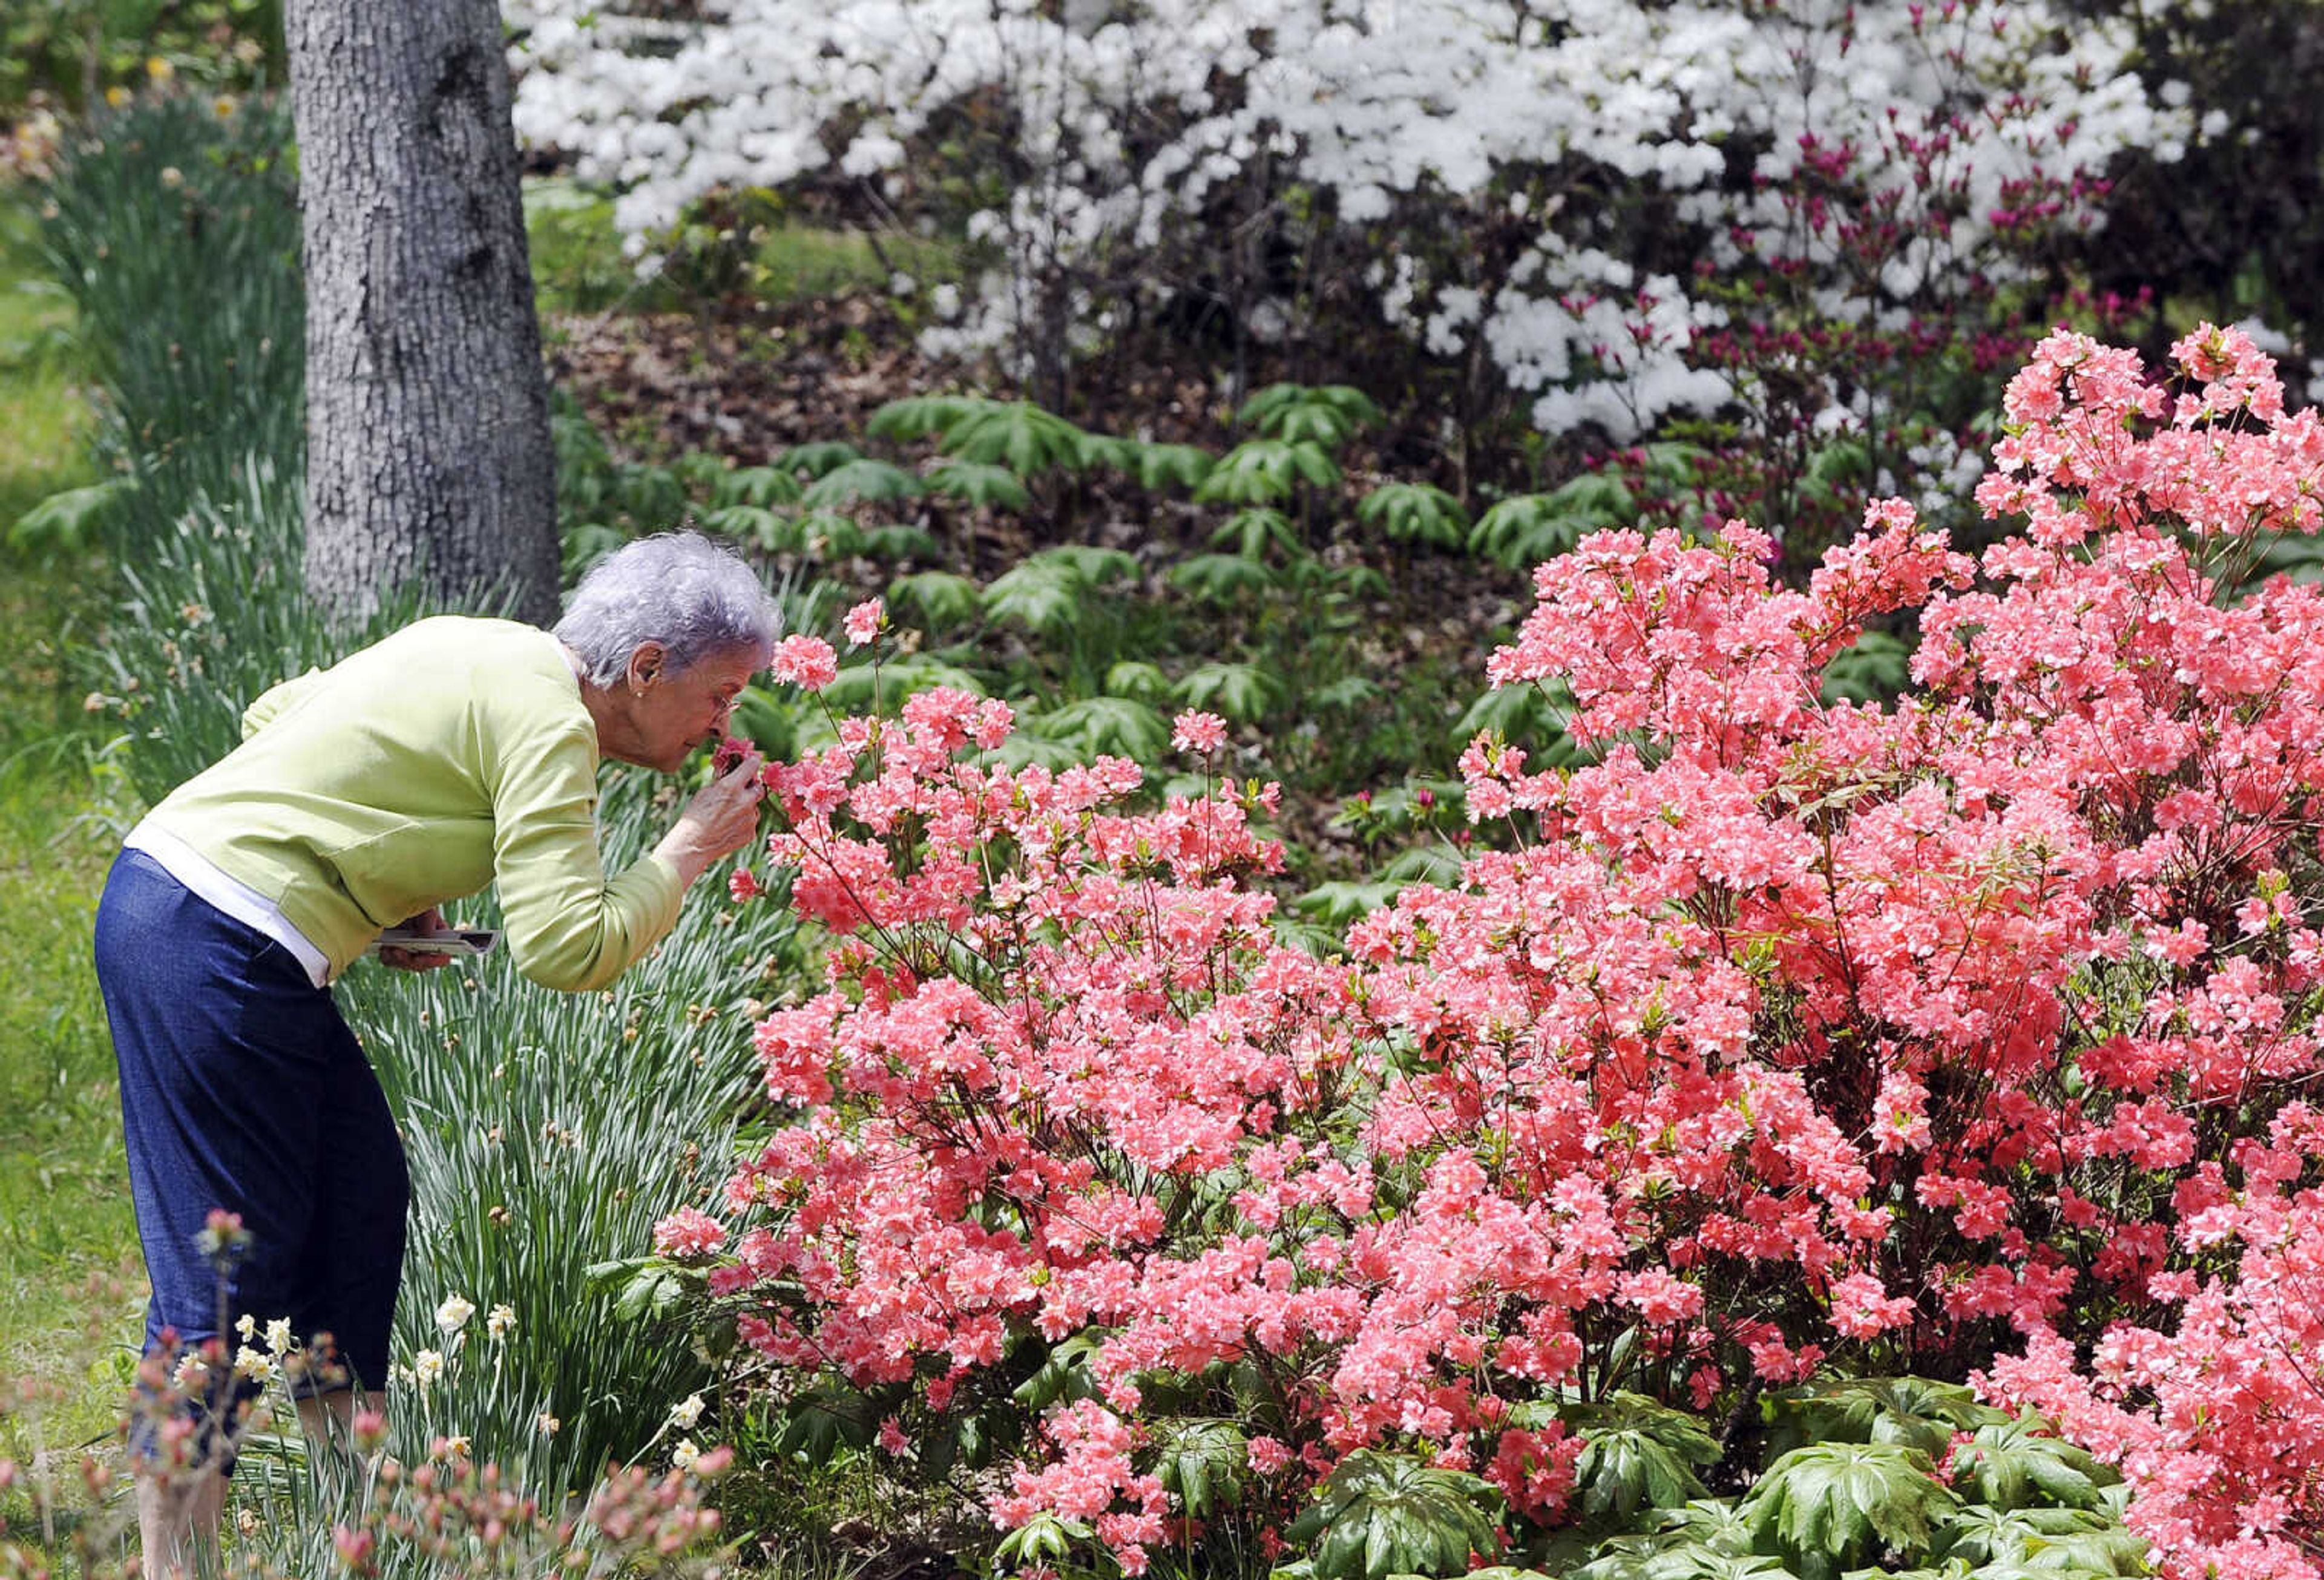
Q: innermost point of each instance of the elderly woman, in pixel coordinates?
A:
(454, 753)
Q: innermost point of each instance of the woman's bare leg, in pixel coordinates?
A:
(177, 1520)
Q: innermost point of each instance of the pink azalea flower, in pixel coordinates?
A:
(806, 662)
(1200, 733)
(688, 1232)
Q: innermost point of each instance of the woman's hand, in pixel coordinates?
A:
(430, 920)
(722, 818)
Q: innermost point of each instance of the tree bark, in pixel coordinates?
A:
(428, 453)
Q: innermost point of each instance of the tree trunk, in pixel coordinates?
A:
(428, 442)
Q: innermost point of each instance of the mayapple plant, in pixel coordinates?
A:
(1783, 1033)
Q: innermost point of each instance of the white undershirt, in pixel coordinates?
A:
(234, 898)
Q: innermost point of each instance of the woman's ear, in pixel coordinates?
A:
(648, 661)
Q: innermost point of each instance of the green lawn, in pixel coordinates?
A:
(43, 421)
(578, 265)
(71, 1283)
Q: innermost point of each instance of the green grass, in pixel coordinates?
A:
(578, 266)
(71, 1286)
(44, 418)
(71, 1283)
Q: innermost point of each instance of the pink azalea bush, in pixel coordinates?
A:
(2219, 1422)
(1787, 1032)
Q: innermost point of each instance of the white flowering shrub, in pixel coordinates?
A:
(1606, 212)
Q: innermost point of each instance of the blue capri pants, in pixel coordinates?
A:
(243, 1088)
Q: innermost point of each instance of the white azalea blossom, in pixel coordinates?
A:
(1418, 121)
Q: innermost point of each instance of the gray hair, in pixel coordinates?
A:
(676, 588)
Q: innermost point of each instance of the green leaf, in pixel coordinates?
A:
(855, 481)
(1415, 512)
(652, 1291)
(1203, 1461)
(855, 686)
(826, 534)
(1981, 1534)
(1621, 1472)
(1526, 529)
(1673, 465)
(1351, 580)
(1526, 715)
(754, 525)
(1105, 726)
(1042, 1542)
(1048, 591)
(1717, 1523)
(755, 485)
(1328, 415)
(1341, 901)
(1242, 691)
(615, 1273)
(584, 545)
(1044, 596)
(818, 458)
(1062, 1374)
(917, 416)
(1252, 531)
(1026, 749)
(1875, 665)
(68, 521)
(764, 719)
(973, 1442)
(1379, 1514)
(1423, 864)
(897, 541)
(1160, 466)
(823, 1421)
(1346, 695)
(938, 598)
(1842, 464)
(1833, 1506)
(2114, 1552)
(2016, 1464)
(980, 484)
(1139, 680)
(1097, 566)
(1020, 436)
(1104, 450)
(1637, 1557)
(1912, 1410)
(1637, 1453)
(1597, 498)
(1222, 578)
(1265, 471)
(651, 496)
